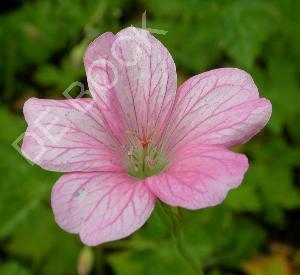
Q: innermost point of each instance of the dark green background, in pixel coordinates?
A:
(256, 230)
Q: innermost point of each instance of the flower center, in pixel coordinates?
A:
(144, 159)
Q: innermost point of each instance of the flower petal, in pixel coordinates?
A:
(101, 206)
(200, 177)
(219, 107)
(100, 76)
(137, 76)
(69, 135)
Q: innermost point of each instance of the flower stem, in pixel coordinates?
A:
(186, 254)
(177, 233)
(99, 260)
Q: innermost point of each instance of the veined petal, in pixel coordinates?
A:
(133, 72)
(101, 206)
(100, 76)
(69, 135)
(219, 107)
(200, 177)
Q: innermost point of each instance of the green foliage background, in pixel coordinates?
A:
(42, 43)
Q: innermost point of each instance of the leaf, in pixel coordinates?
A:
(282, 89)
(218, 231)
(34, 236)
(276, 264)
(247, 25)
(13, 268)
(193, 45)
(23, 186)
(123, 264)
(244, 198)
(166, 260)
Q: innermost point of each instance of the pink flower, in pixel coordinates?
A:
(139, 138)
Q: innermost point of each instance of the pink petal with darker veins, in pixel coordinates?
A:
(134, 73)
(100, 77)
(200, 176)
(69, 135)
(102, 206)
(219, 107)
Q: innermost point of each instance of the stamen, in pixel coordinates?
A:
(150, 162)
(144, 157)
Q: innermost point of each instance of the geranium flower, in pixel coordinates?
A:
(139, 138)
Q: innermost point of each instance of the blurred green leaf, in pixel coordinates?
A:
(218, 231)
(13, 268)
(247, 25)
(23, 186)
(265, 265)
(166, 260)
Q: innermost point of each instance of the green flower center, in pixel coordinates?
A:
(145, 160)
